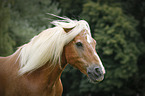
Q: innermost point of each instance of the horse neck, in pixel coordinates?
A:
(47, 74)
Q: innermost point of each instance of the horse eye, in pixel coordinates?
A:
(79, 44)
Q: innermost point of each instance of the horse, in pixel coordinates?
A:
(35, 68)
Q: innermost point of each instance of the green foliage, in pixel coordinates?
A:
(117, 41)
(29, 18)
(118, 44)
(71, 8)
(35, 12)
(21, 20)
(6, 42)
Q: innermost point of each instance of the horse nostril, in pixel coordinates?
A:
(98, 71)
(89, 73)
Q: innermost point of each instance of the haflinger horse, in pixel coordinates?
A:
(36, 67)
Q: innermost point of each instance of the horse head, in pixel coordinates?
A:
(81, 53)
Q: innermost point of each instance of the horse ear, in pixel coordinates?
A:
(67, 29)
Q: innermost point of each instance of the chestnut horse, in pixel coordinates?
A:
(35, 68)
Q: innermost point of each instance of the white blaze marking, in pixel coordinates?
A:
(89, 39)
(103, 69)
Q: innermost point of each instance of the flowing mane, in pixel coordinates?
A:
(48, 45)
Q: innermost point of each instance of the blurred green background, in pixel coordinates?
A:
(118, 26)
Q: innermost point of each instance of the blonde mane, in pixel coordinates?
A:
(48, 45)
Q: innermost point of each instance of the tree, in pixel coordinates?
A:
(28, 18)
(71, 8)
(118, 43)
(21, 20)
(136, 9)
(6, 42)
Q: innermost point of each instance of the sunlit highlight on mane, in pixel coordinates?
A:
(48, 45)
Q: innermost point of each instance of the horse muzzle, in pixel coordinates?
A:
(95, 74)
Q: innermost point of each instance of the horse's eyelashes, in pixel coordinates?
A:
(79, 44)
